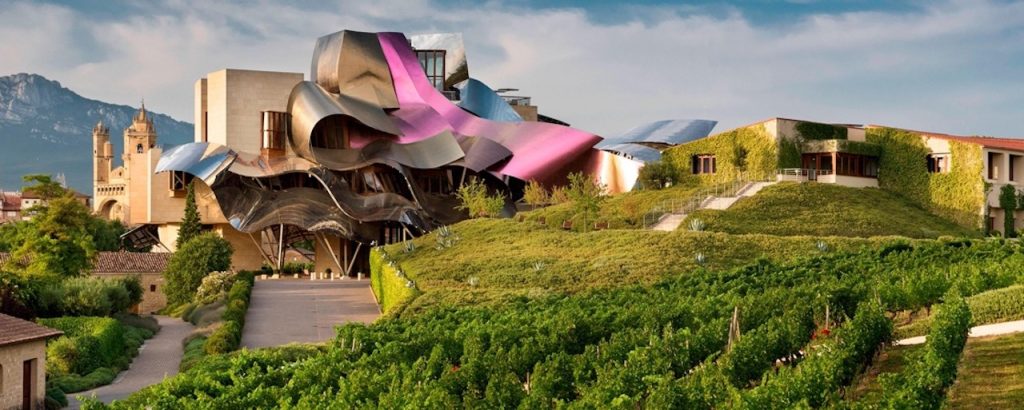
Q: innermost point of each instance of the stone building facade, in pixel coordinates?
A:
(23, 363)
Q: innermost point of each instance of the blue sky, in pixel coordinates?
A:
(949, 66)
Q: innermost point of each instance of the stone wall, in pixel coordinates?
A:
(12, 358)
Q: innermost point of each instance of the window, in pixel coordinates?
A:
(152, 288)
(138, 149)
(704, 164)
(180, 181)
(274, 129)
(938, 163)
(433, 65)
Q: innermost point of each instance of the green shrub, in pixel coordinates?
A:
(88, 343)
(203, 315)
(214, 285)
(192, 262)
(225, 339)
(55, 398)
(88, 296)
(73, 383)
(478, 202)
(657, 175)
(194, 352)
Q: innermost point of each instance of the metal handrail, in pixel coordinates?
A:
(694, 202)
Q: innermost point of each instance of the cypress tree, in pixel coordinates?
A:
(190, 224)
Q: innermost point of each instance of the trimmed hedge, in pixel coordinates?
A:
(389, 285)
(228, 336)
(92, 351)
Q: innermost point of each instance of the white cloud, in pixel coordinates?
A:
(949, 67)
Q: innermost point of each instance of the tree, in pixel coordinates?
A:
(586, 195)
(477, 202)
(1008, 201)
(535, 194)
(655, 175)
(106, 235)
(44, 186)
(194, 260)
(56, 242)
(190, 224)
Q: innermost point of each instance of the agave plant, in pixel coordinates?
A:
(473, 281)
(822, 246)
(538, 266)
(701, 259)
(409, 246)
(446, 238)
(697, 225)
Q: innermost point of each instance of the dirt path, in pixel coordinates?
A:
(977, 331)
(158, 358)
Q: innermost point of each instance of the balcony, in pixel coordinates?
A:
(825, 176)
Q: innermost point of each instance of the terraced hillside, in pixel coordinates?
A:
(828, 210)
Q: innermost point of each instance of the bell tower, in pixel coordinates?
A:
(102, 155)
(139, 137)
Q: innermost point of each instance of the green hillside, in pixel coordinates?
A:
(827, 210)
(498, 259)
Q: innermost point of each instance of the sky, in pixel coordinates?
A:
(603, 66)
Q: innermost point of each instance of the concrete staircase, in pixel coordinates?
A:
(671, 221)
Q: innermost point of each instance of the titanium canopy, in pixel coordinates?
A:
(646, 141)
(373, 87)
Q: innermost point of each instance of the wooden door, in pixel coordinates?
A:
(28, 382)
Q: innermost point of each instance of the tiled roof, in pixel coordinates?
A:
(131, 262)
(19, 331)
(11, 201)
(122, 262)
(1013, 144)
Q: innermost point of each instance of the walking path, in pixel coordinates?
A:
(977, 331)
(283, 311)
(158, 358)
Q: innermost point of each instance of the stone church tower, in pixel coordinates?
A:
(113, 188)
(102, 154)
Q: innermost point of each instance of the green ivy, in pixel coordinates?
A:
(1008, 201)
(958, 195)
(819, 131)
(750, 152)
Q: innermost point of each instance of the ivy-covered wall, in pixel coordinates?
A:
(751, 151)
(958, 195)
(812, 131)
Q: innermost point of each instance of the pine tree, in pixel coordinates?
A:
(190, 225)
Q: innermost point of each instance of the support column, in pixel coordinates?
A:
(280, 247)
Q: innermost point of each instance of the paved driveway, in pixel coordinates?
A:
(158, 358)
(283, 311)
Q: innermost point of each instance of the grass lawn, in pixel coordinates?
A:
(621, 211)
(505, 258)
(991, 374)
(790, 208)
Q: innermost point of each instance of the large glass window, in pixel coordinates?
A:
(433, 65)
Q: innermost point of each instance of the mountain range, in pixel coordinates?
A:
(46, 128)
